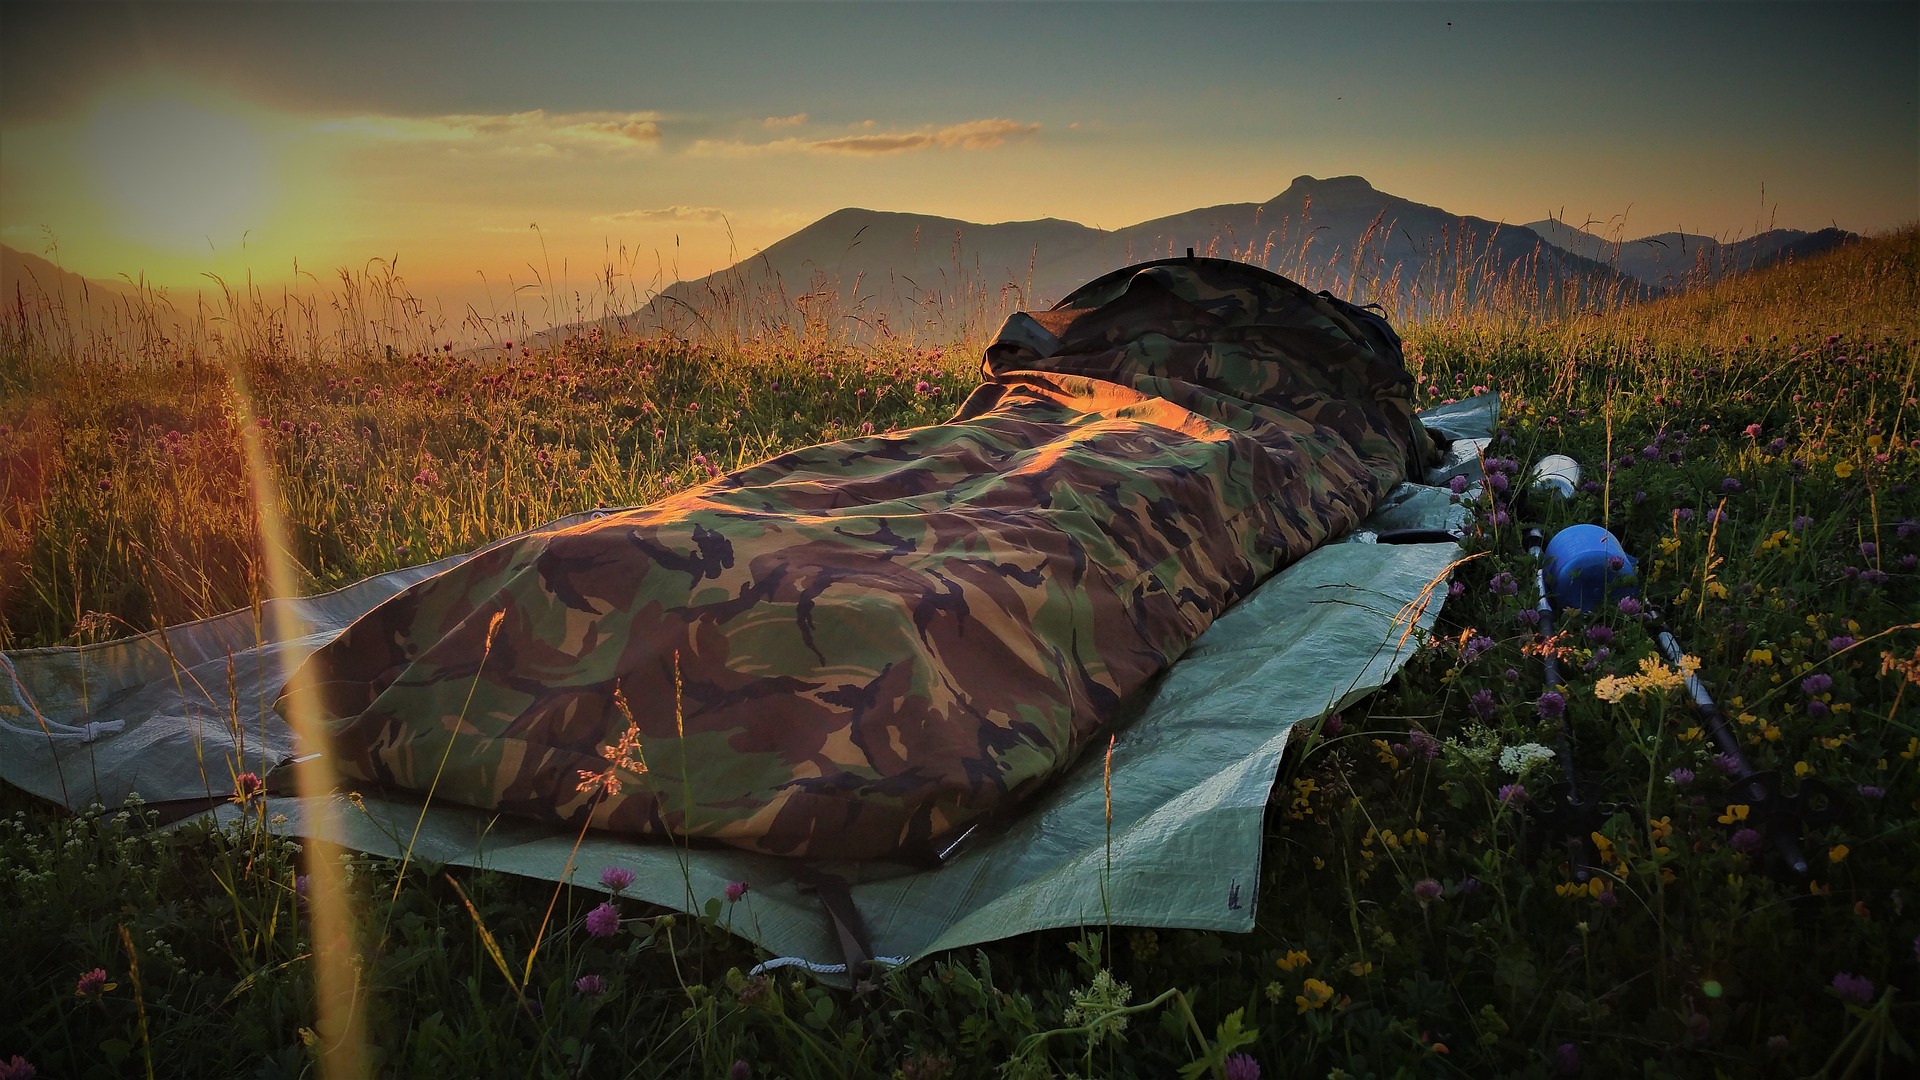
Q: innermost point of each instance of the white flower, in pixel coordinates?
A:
(1520, 760)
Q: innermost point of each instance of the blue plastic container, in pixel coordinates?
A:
(1586, 567)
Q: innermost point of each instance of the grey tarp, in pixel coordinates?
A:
(1189, 783)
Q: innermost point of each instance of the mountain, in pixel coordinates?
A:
(34, 283)
(1675, 260)
(918, 273)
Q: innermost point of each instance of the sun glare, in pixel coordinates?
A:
(178, 169)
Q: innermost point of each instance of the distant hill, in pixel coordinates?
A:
(1675, 260)
(923, 273)
(31, 280)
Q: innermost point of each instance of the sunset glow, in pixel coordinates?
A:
(514, 155)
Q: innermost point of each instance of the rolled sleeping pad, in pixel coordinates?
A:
(1586, 567)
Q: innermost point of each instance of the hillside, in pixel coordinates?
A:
(922, 274)
(1676, 260)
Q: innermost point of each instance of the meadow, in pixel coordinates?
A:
(1755, 443)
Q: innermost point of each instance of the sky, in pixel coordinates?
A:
(481, 148)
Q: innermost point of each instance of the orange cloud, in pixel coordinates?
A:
(971, 135)
(785, 121)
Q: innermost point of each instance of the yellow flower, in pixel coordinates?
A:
(1874, 441)
(1669, 545)
(1716, 590)
(1735, 812)
(1801, 768)
(1360, 967)
(1760, 656)
(1314, 995)
(1692, 734)
(1661, 827)
(1611, 688)
(1843, 469)
(1837, 853)
(1293, 959)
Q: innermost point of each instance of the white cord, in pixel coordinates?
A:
(819, 969)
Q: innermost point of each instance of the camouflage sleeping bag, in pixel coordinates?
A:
(875, 642)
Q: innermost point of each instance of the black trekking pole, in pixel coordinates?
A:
(1567, 810)
(1783, 817)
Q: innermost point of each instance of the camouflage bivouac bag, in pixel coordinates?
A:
(856, 649)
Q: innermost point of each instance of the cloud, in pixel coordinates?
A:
(971, 135)
(785, 121)
(874, 144)
(668, 213)
(535, 131)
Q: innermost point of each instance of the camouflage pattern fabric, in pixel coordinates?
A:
(857, 649)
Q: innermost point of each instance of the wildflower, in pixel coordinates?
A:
(1503, 584)
(1814, 685)
(1837, 853)
(1777, 445)
(1552, 705)
(246, 786)
(923, 387)
(1457, 485)
(17, 1068)
(1242, 1067)
(1513, 794)
(603, 921)
(1313, 995)
(1730, 485)
(1528, 617)
(1481, 704)
(1474, 648)
(1332, 725)
(1630, 607)
(1099, 1007)
(1843, 469)
(616, 878)
(1800, 522)
(1294, 958)
(92, 984)
(1566, 1059)
(1521, 759)
(1600, 635)
(740, 1070)
(1744, 841)
(590, 985)
(1681, 777)
(1423, 744)
(1869, 791)
(1726, 763)
(1753, 431)
(1456, 590)
(1427, 890)
(735, 890)
(1736, 812)
(1855, 988)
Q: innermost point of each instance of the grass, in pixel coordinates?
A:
(1762, 435)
